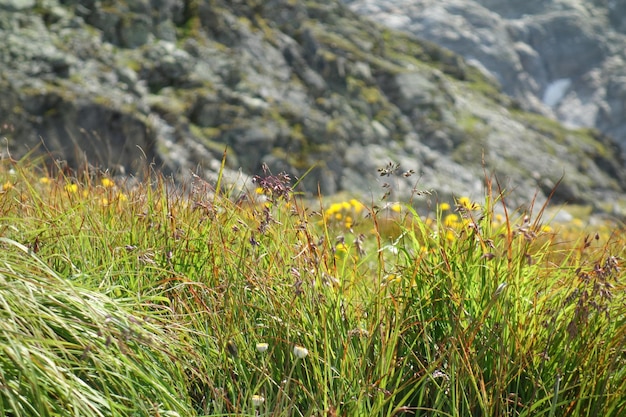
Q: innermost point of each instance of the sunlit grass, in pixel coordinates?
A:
(148, 298)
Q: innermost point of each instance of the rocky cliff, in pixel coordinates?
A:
(564, 58)
(292, 83)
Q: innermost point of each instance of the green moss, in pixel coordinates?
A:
(470, 124)
(205, 132)
(131, 63)
(486, 87)
(588, 137)
(103, 101)
(297, 134)
(268, 32)
(244, 21)
(169, 105)
(372, 95)
(400, 46)
(332, 126)
(191, 29)
(405, 50)
(548, 127)
(336, 42)
(583, 141)
(280, 153)
(359, 89)
(48, 88)
(207, 137)
(472, 147)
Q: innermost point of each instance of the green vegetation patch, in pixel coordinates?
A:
(151, 298)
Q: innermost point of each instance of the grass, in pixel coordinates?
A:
(147, 299)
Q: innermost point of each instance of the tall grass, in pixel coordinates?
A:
(122, 299)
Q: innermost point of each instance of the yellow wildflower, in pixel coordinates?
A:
(341, 248)
(396, 207)
(45, 180)
(335, 207)
(358, 206)
(451, 220)
(107, 182)
(71, 188)
(393, 278)
(444, 206)
(468, 204)
(348, 222)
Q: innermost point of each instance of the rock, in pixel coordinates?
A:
(15, 5)
(617, 11)
(532, 48)
(310, 87)
(134, 30)
(568, 43)
(164, 64)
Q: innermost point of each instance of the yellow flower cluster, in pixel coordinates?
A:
(106, 194)
(71, 188)
(341, 250)
(453, 221)
(467, 204)
(107, 182)
(344, 213)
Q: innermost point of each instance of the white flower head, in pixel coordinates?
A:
(300, 352)
(261, 347)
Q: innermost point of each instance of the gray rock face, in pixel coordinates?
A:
(17, 4)
(562, 58)
(306, 87)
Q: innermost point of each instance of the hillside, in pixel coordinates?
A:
(563, 58)
(298, 85)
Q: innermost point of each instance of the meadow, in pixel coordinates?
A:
(124, 298)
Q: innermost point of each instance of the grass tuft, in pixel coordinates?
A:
(122, 298)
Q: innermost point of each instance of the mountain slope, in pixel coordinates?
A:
(564, 58)
(294, 84)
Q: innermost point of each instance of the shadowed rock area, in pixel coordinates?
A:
(298, 85)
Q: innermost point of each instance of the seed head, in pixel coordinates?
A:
(300, 352)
